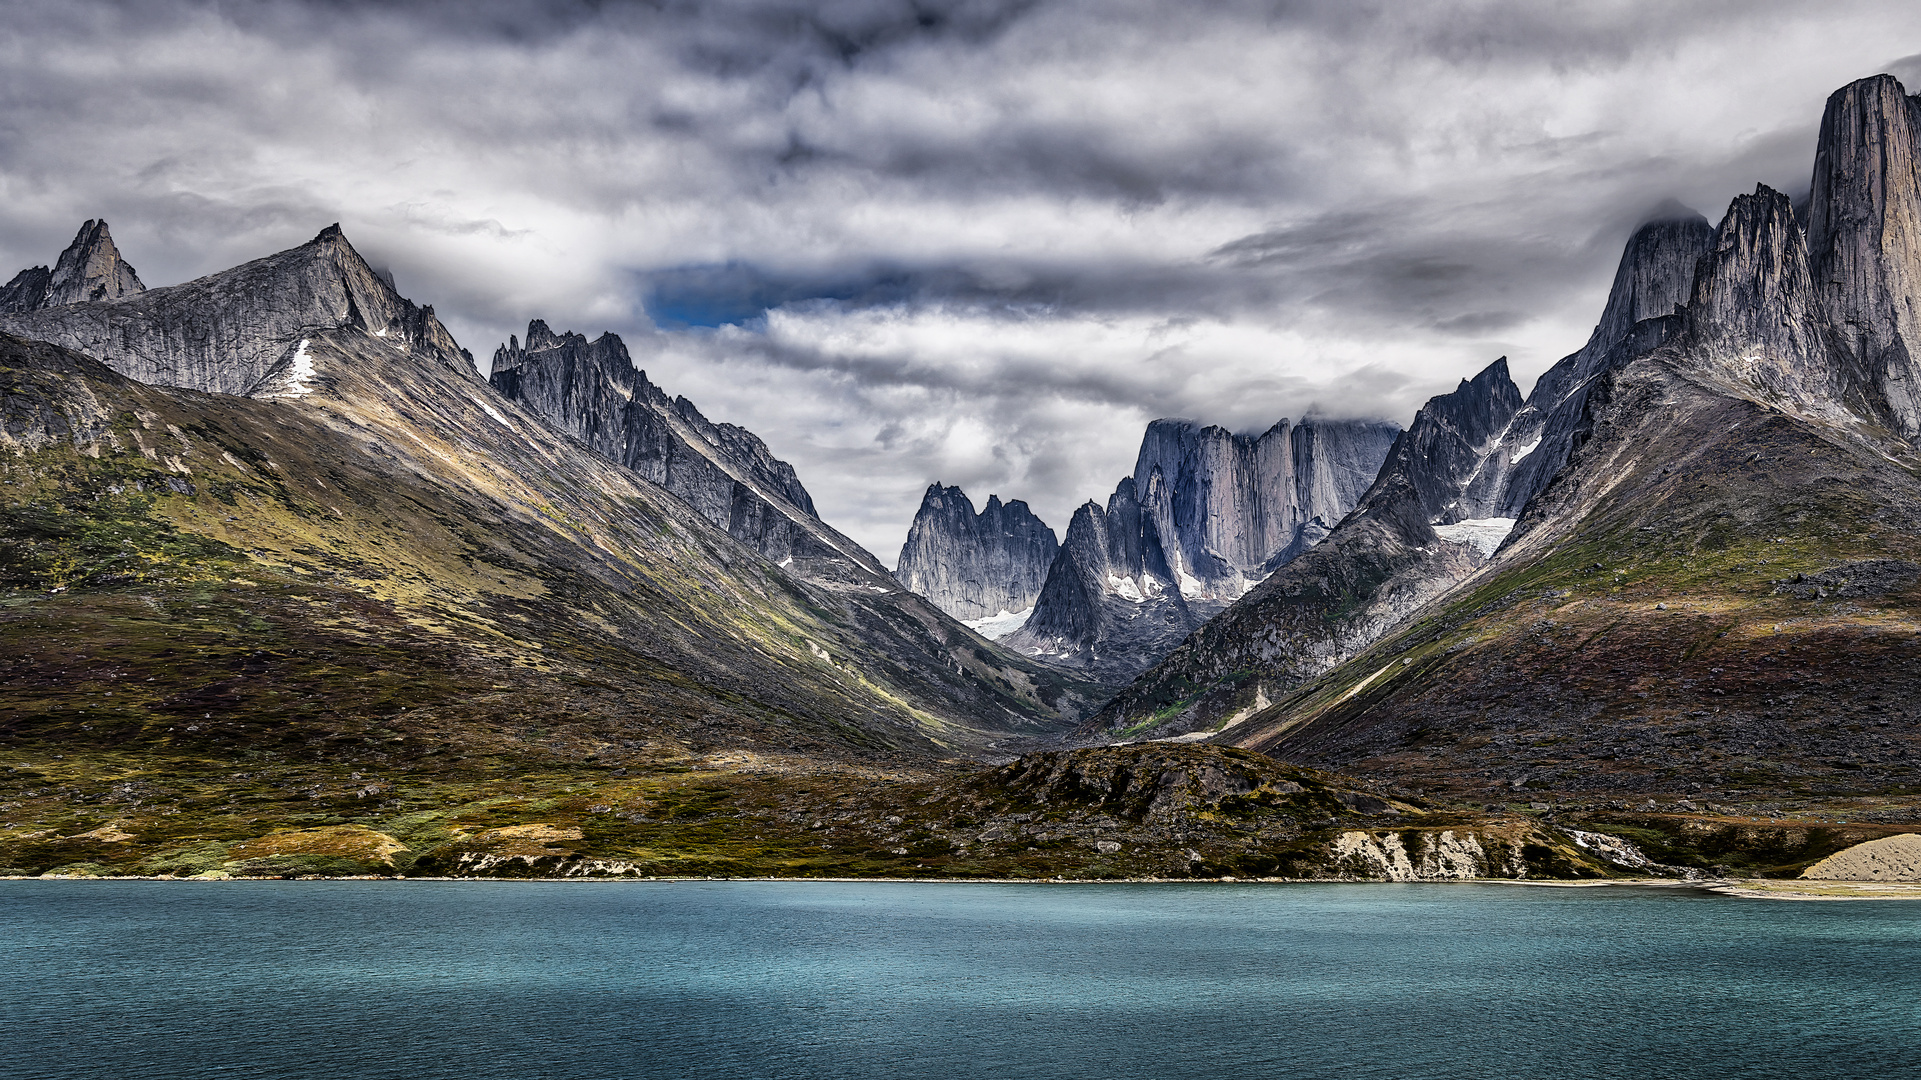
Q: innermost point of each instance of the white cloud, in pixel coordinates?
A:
(997, 238)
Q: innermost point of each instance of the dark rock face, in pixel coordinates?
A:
(1452, 436)
(1864, 236)
(26, 292)
(89, 269)
(226, 332)
(1110, 604)
(974, 566)
(1653, 281)
(1755, 319)
(1206, 514)
(592, 391)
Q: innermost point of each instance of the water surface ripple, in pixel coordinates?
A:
(529, 980)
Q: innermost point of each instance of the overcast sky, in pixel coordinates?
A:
(981, 242)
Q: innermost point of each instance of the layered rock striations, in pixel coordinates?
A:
(976, 566)
(89, 269)
(593, 391)
(1206, 514)
(227, 332)
(1653, 281)
(1236, 506)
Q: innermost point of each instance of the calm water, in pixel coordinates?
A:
(528, 980)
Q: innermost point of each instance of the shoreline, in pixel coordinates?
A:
(1793, 889)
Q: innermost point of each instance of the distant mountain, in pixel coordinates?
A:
(976, 567)
(226, 332)
(1703, 575)
(1206, 514)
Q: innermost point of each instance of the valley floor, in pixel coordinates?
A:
(742, 814)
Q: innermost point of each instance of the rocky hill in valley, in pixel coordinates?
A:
(1205, 515)
(1716, 593)
(984, 568)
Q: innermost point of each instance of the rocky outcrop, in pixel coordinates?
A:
(1864, 236)
(592, 391)
(1445, 449)
(89, 269)
(975, 566)
(226, 332)
(1206, 514)
(1111, 602)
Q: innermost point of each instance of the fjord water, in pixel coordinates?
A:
(818, 979)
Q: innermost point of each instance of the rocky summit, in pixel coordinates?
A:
(89, 269)
(1205, 515)
(981, 567)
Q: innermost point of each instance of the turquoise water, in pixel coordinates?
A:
(814, 979)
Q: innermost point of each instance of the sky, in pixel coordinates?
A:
(980, 242)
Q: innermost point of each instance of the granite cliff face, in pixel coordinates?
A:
(1206, 514)
(1864, 236)
(225, 332)
(592, 391)
(976, 566)
(89, 269)
(1233, 507)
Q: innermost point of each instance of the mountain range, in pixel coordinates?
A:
(290, 587)
(1713, 589)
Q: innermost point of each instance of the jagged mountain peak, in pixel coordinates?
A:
(593, 391)
(236, 330)
(978, 567)
(91, 269)
(1755, 318)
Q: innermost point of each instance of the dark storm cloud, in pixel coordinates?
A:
(981, 241)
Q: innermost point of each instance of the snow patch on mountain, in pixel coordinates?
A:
(1482, 534)
(995, 627)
